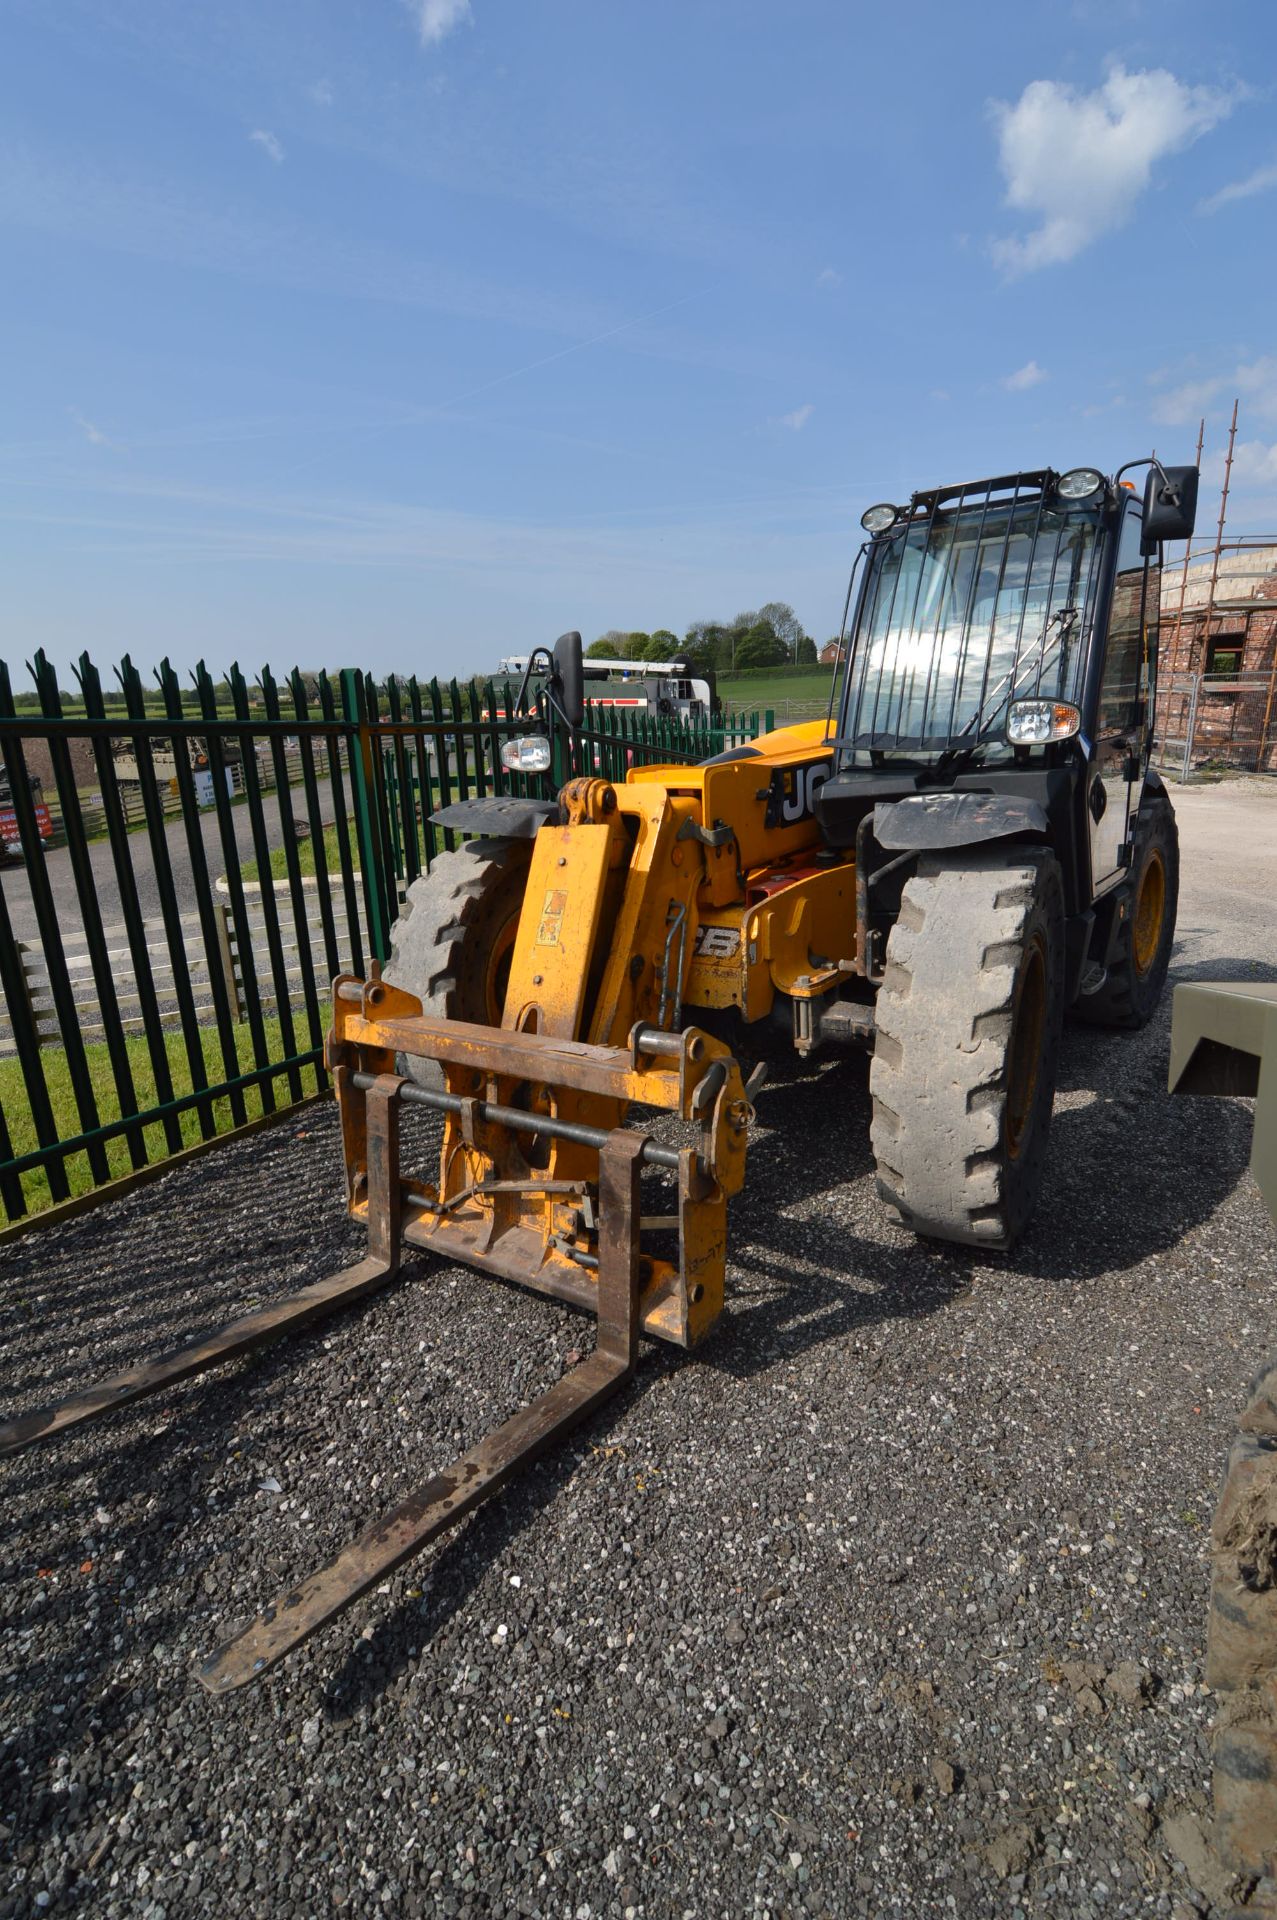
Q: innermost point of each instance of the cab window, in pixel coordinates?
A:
(1120, 683)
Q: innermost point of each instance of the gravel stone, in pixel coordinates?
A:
(751, 1611)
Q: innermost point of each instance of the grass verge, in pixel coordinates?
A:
(278, 868)
(22, 1133)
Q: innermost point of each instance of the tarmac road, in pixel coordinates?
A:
(57, 865)
(1229, 833)
(889, 1601)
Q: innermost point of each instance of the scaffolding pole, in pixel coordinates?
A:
(1209, 611)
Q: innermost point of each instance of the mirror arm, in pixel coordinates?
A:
(1170, 495)
(527, 672)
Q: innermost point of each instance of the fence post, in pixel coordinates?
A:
(227, 958)
(27, 968)
(363, 765)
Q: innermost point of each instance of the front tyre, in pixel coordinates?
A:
(1133, 984)
(968, 1036)
(452, 944)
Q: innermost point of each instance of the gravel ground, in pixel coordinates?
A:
(890, 1601)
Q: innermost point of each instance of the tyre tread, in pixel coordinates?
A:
(944, 1015)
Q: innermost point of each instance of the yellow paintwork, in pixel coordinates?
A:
(736, 792)
(657, 896)
(562, 908)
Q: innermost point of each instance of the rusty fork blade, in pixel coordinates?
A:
(447, 1498)
(425, 1514)
(239, 1336)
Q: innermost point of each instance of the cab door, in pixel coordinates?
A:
(1117, 762)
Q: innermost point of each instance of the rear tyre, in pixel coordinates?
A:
(968, 1037)
(1133, 984)
(452, 944)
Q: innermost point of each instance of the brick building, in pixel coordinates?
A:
(1217, 664)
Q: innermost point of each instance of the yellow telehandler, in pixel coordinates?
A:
(972, 842)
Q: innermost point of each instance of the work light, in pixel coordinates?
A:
(1031, 723)
(1079, 483)
(528, 754)
(878, 519)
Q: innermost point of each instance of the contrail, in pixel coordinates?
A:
(441, 406)
(578, 346)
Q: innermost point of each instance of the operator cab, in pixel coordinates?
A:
(1004, 641)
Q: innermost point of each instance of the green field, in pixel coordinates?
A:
(756, 692)
(17, 1109)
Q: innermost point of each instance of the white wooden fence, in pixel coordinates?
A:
(201, 966)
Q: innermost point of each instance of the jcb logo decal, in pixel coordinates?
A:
(717, 943)
(793, 793)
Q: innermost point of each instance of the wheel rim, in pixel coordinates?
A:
(1150, 912)
(497, 973)
(1027, 1028)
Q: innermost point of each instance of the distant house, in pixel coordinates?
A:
(831, 653)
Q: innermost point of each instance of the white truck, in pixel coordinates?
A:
(669, 689)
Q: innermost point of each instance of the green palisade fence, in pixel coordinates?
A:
(157, 995)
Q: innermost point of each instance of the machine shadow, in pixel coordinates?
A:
(1239, 969)
(450, 1577)
(813, 1280)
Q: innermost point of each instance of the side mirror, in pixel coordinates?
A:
(567, 675)
(1170, 505)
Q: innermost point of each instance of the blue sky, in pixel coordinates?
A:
(405, 333)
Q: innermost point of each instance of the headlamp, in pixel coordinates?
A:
(528, 754)
(1079, 483)
(1032, 723)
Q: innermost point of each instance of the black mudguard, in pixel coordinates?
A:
(927, 821)
(503, 816)
(1155, 786)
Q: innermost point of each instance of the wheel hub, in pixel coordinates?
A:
(1150, 912)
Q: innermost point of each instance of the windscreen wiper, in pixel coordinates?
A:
(957, 757)
(1065, 617)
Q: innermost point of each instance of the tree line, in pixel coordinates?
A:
(772, 636)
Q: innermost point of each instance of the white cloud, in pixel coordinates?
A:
(1258, 182)
(1078, 162)
(92, 433)
(1029, 375)
(829, 277)
(436, 18)
(1254, 464)
(798, 419)
(1181, 405)
(1254, 382)
(321, 93)
(268, 144)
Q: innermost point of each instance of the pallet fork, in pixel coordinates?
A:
(539, 1182)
